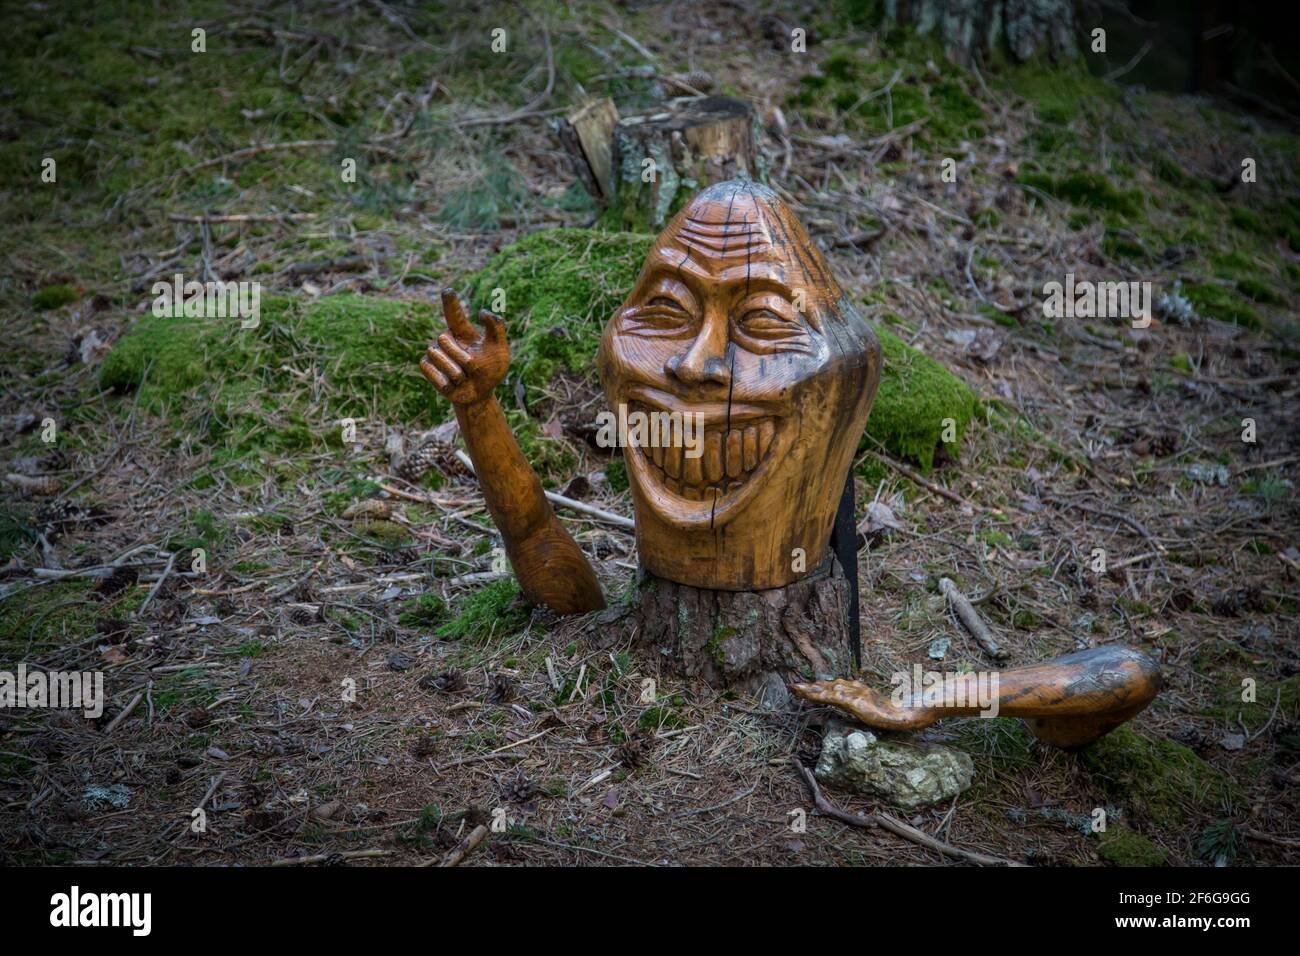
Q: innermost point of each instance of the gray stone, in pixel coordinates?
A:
(903, 775)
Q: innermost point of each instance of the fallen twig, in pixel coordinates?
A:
(465, 847)
(126, 712)
(971, 620)
(893, 825)
(326, 857)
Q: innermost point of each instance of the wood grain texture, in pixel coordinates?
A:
(736, 321)
(1067, 702)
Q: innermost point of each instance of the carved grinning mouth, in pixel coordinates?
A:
(731, 456)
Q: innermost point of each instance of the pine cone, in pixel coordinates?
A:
(432, 454)
(634, 750)
(520, 789)
(500, 688)
(447, 682)
(119, 580)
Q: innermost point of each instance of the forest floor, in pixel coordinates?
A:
(335, 689)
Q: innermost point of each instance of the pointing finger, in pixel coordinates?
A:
(454, 313)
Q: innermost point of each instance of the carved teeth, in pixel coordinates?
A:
(673, 461)
(713, 456)
(735, 460)
(729, 458)
(751, 448)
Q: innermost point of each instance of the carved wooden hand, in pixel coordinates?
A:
(1068, 702)
(466, 366)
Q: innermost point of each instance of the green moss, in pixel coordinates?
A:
(916, 397)
(1218, 302)
(1259, 291)
(1003, 741)
(943, 101)
(237, 385)
(1082, 188)
(423, 611)
(54, 296)
(1230, 708)
(1161, 781)
(1058, 91)
(494, 611)
(389, 534)
(616, 475)
(53, 615)
(1121, 846)
(16, 533)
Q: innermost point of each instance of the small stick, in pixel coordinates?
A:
(464, 848)
(925, 483)
(893, 825)
(244, 217)
(171, 561)
(971, 620)
(322, 857)
(126, 712)
(1270, 838)
(216, 782)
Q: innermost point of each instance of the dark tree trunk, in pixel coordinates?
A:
(976, 29)
(752, 641)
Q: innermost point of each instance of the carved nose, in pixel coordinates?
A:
(703, 362)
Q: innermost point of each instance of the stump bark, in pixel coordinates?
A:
(753, 641)
(690, 143)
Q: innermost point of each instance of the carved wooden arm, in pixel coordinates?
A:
(465, 367)
(1068, 702)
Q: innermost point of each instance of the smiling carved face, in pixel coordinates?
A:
(736, 318)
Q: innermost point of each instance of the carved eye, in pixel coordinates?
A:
(764, 323)
(767, 325)
(660, 315)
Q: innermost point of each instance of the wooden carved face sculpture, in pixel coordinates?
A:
(736, 321)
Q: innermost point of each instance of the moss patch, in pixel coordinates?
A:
(916, 397)
(54, 296)
(251, 388)
(1160, 780)
(1121, 846)
(492, 611)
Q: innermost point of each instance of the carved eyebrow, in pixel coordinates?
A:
(744, 274)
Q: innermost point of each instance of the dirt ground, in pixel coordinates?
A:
(300, 694)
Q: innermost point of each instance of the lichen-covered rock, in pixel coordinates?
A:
(906, 776)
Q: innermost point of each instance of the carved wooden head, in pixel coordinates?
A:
(736, 319)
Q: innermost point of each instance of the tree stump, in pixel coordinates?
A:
(752, 641)
(661, 159)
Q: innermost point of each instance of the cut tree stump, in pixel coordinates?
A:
(662, 158)
(752, 641)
